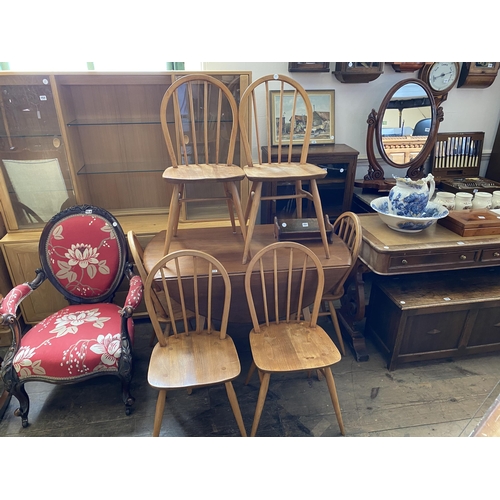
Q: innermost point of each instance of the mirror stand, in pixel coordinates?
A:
(407, 148)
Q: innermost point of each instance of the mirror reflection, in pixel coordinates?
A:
(406, 123)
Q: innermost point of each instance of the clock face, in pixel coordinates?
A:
(442, 75)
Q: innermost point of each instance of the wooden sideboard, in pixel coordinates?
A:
(386, 252)
(336, 189)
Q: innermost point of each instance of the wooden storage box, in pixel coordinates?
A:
(456, 161)
(434, 316)
(472, 222)
(300, 229)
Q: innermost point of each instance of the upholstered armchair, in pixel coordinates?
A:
(83, 253)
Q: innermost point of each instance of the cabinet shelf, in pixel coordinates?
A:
(120, 121)
(30, 135)
(123, 167)
(129, 121)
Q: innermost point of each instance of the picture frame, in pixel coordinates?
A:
(316, 67)
(323, 104)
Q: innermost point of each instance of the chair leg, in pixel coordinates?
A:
(335, 400)
(264, 386)
(252, 219)
(173, 216)
(250, 201)
(230, 206)
(250, 373)
(239, 210)
(236, 408)
(319, 215)
(160, 408)
(336, 326)
(19, 392)
(298, 201)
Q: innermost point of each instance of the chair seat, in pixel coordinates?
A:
(288, 347)
(193, 360)
(283, 172)
(203, 172)
(72, 343)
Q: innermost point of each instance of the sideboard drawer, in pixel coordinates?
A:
(490, 255)
(410, 262)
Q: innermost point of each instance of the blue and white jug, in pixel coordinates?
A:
(409, 198)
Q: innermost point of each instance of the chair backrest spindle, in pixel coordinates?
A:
(200, 135)
(292, 96)
(297, 278)
(188, 277)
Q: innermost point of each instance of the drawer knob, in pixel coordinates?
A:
(404, 261)
(463, 257)
(496, 254)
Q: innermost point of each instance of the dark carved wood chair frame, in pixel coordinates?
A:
(8, 311)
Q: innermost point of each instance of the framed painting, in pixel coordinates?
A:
(323, 127)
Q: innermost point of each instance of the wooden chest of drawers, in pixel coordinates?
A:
(433, 316)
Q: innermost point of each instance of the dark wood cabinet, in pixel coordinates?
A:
(436, 316)
(335, 189)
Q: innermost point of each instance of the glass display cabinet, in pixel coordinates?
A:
(96, 138)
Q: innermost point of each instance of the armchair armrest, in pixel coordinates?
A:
(11, 301)
(134, 296)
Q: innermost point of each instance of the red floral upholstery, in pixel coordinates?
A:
(12, 300)
(72, 343)
(83, 254)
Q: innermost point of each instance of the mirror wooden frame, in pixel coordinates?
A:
(375, 176)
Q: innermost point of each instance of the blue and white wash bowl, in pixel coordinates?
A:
(432, 212)
(409, 198)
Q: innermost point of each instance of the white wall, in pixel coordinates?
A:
(465, 110)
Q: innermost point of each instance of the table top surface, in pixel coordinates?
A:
(381, 238)
(221, 243)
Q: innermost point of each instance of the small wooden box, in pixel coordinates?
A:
(300, 229)
(472, 222)
(439, 315)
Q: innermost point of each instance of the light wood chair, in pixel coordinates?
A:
(195, 357)
(160, 306)
(199, 119)
(285, 342)
(348, 228)
(296, 126)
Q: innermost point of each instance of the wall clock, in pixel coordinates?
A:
(358, 72)
(478, 75)
(441, 78)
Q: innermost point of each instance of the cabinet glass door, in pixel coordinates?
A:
(36, 182)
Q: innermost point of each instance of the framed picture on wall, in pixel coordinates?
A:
(323, 127)
(316, 67)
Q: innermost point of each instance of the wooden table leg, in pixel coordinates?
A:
(352, 311)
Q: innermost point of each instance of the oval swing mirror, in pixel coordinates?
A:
(404, 130)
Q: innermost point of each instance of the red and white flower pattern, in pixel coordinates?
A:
(108, 346)
(23, 364)
(69, 323)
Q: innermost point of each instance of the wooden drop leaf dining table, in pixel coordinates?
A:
(227, 247)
